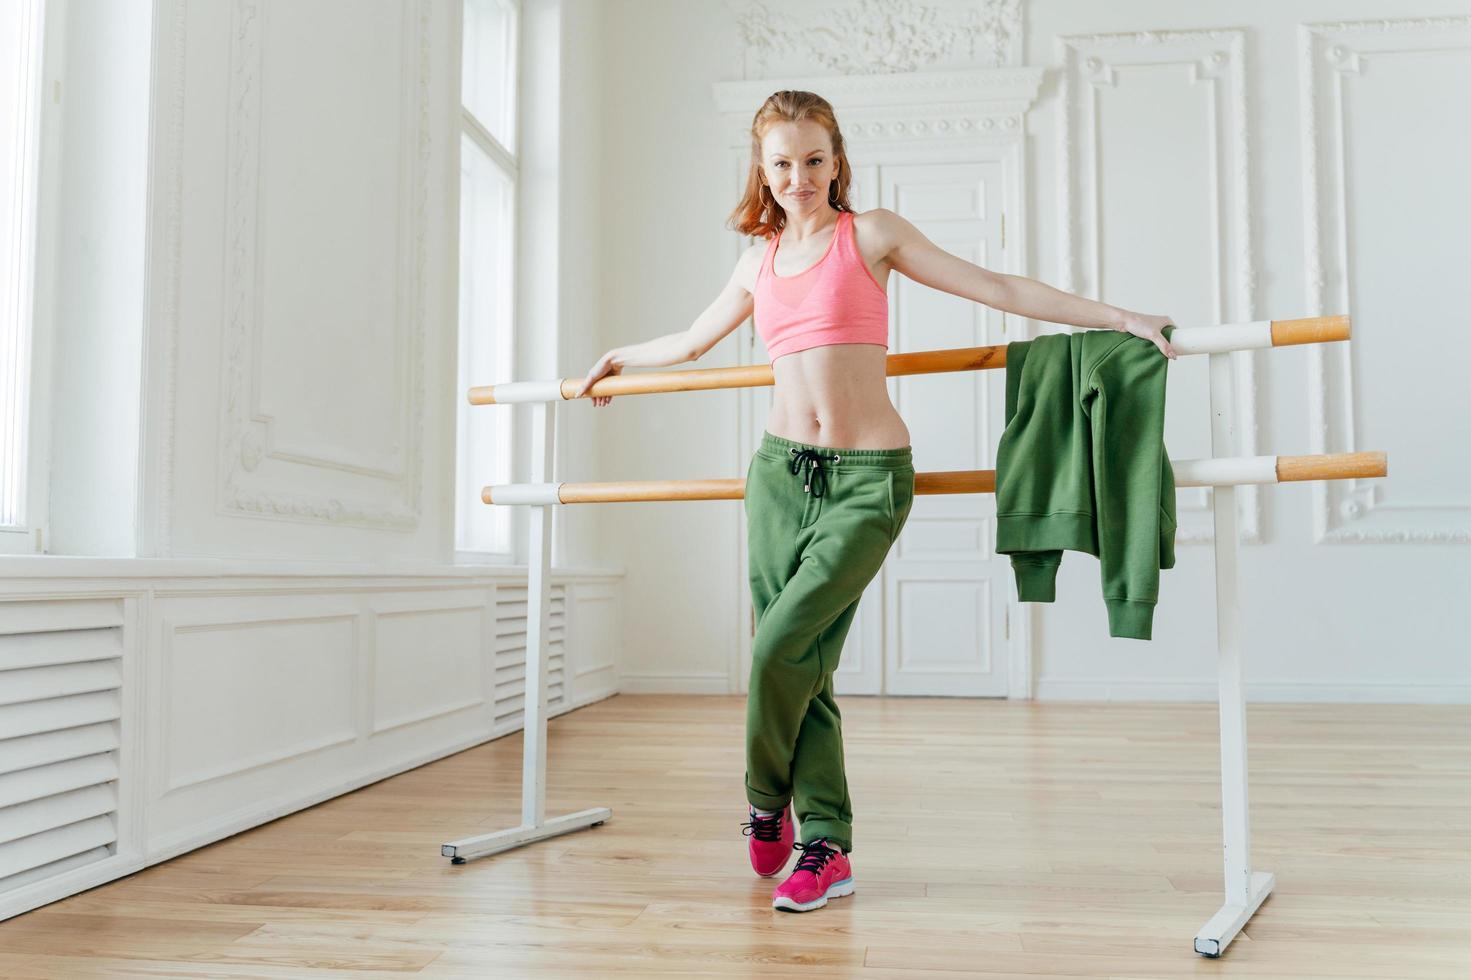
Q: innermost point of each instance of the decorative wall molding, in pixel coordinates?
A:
(1091, 63)
(248, 442)
(979, 123)
(327, 732)
(1329, 54)
(881, 36)
(385, 703)
(596, 605)
(1017, 85)
(940, 106)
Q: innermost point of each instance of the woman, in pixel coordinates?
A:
(832, 483)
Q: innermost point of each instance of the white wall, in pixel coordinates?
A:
(1320, 618)
(666, 255)
(582, 305)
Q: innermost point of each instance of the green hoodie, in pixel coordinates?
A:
(1082, 466)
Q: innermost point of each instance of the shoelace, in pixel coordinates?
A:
(816, 475)
(815, 856)
(763, 828)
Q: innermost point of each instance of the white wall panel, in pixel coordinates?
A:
(302, 298)
(427, 662)
(241, 694)
(597, 631)
(1385, 140)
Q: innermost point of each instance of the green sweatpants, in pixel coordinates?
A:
(820, 521)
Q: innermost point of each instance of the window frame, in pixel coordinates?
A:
(507, 161)
(39, 166)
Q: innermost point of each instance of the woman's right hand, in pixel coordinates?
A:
(605, 367)
(1151, 328)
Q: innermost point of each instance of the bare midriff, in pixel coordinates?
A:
(836, 396)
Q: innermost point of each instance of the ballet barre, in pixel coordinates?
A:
(1233, 470)
(1221, 338)
(1245, 888)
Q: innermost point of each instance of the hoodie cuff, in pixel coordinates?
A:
(1035, 581)
(1130, 618)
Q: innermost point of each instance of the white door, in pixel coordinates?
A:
(945, 592)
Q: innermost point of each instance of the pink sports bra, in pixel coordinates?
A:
(836, 301)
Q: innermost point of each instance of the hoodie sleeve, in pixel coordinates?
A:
(1029, 461)
(1124, 397)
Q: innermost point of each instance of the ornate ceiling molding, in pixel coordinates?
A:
(881, 36)
(985, 103)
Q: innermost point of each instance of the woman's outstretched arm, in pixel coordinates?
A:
(727, 311)
(920, 259)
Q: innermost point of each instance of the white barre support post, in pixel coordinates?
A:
(1245, 890)
(534, 825)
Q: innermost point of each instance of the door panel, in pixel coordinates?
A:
(945, 591)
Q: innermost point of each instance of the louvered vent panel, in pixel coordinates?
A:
(60, 735)
(510, 653)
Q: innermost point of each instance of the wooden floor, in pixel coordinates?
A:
(992, 839)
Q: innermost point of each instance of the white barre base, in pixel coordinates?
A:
(503, 840)
(1225, 924)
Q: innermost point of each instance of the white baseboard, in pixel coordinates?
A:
(592, 697)
(675, 682)
(193, 838)
(1133, 689)
(54, 889)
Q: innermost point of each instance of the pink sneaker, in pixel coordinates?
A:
(771, 840)
(823, 872)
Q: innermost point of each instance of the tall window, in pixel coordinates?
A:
(489, 174)
(20, 63)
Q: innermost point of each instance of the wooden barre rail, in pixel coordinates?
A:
(1188, 473)
(1186, 340)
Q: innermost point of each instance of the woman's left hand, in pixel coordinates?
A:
(1151, 328)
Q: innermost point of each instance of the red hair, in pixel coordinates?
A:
(758, 214)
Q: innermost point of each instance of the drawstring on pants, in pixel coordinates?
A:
(816, 476)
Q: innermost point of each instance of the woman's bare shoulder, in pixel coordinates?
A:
(877, 230)
(878, 221)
